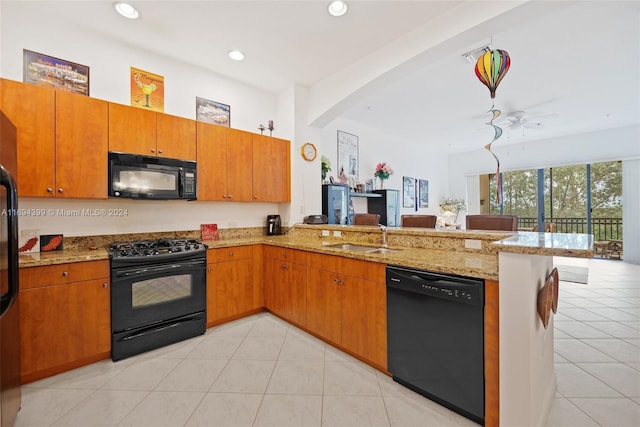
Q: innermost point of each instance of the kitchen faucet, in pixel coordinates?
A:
(384, 235)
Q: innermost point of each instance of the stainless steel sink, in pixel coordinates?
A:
(361, 248)
(383, 251)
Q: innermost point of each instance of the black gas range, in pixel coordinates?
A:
(155, 251)
(158, 294)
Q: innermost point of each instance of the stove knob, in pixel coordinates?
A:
(135, 252)
(148, 252)
(124, 253)
(187, 247)
(196, 246)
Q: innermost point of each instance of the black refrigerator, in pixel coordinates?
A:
(10, 393)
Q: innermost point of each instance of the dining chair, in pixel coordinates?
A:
(549, 227)
(422, 221)
(366, 219)
(492, 222)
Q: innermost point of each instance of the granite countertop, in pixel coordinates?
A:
(443, 261)
(554, 244)
(446, 253)
(62, 257)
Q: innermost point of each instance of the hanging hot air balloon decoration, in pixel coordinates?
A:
(490, 70)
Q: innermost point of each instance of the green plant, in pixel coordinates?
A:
(326, 166)
(452, 205)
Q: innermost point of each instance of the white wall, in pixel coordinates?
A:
(406, 159)
(109, 63)
(631, 210)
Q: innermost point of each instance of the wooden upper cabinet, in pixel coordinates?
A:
(271, 169)
(239, 165)
(212, 162)
(149, 133)
(132, 130)
(176, 137)
(29, 114)
(81, 146)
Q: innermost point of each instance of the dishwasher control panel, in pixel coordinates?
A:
(445, 286)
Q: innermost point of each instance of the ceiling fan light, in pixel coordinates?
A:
(337, 8)
(126, 10)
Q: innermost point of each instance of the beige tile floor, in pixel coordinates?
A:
(261, 371)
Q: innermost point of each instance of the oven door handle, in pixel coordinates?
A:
(157, 269)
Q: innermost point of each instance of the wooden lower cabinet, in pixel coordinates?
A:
(64, 317)
(233, 290)
(349, 310)
(285, 283)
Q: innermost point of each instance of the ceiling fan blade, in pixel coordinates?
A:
(533, 125)
(534, 116)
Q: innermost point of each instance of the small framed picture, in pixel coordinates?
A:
(213, 112)
(423, 193)
(56, 73)
(51, 242)
(408, 192)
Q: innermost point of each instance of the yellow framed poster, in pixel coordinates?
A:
(147, 90)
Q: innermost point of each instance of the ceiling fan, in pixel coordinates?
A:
(520, 119)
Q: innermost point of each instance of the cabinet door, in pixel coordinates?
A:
(212, 162)
(297, 294)
(229, 289)
(239, 166)
(364, 321)
(271, 169)
(81, 146)
(29, 114)
(62, 324)
(176, 137)
(132, 130)
(276, 277)
(323, 304)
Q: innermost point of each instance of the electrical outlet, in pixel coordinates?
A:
(325, 233)
(337, 233)
(472, 244)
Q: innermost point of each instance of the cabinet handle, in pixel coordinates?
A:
(209, 270)
(230, 196)
(284, 267)
(230, 253)
(255, 197)
(160, 151)
(153, 150)
(65, 273)
(105, 285)
(49, 190)
(60, 190)
(284, 254)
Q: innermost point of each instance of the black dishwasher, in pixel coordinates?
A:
(435, 325)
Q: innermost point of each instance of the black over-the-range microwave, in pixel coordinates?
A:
(145, 177)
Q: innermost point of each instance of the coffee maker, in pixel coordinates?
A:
(274, 225)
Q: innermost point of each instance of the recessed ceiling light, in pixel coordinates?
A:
(337, 8)
(236, 55)
(126, 10)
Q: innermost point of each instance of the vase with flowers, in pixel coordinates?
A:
(326, 167)
(383, 172)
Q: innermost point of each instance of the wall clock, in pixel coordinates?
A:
(309, 151)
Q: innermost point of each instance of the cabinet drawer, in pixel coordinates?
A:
(286, 254)
(366, 270)
(46, 275)
(228, 254)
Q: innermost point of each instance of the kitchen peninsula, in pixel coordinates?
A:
(519, 376)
